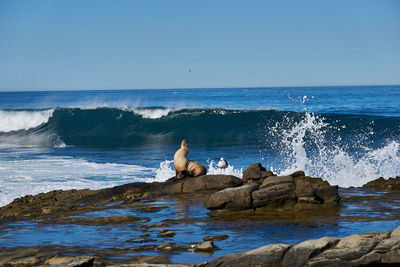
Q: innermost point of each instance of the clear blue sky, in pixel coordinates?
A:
(195, 44)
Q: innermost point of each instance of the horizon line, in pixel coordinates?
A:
(185, 88)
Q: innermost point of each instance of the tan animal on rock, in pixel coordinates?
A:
(183, 166)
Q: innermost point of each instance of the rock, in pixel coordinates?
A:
(369, 249)
(207, 246)
(166, 233)
(269, 255)
(253, 172)
(276, 194)
(390, 184)
(299, 254)
(237, 198)
(351, 247)
(298, 174)
(71, 261)
(215, 237)
(328, 194)
(274, 180)
(396, 232)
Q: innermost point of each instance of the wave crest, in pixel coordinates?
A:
(15, 120)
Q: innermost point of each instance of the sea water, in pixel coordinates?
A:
(95, 139)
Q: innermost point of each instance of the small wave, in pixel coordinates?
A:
(152, 113)
(15, 120)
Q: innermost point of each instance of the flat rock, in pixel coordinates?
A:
(237, 198)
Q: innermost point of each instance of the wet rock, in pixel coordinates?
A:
(207, 246)
(71, 261)
(215, 237)
(382, 184)
(111, 220)
(237, 198)
(269, 255)
(166, 233)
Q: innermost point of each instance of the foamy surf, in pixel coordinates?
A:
(14, 120)
(40, 174)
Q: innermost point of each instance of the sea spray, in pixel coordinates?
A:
(165, 171)
(230, 170)
(317, 147)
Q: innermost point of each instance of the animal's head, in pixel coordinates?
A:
(184, 145)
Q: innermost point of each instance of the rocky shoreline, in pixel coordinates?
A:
(258, 193)
(368, 249)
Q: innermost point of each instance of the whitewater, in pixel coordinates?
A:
(97, 139)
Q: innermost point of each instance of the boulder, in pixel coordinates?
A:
(276, 194)
(237, 198)
(369, 249)
(269, 255)
(255, 172)
(299, 254)
(381, 183)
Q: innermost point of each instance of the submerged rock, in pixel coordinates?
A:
(369, 249)
(381, 183)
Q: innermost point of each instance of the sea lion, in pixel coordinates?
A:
(183, 166)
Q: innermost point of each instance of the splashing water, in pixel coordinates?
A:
(307, 146)
(165, 171)
(230, 170)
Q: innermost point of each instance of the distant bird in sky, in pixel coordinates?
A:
(222, 164)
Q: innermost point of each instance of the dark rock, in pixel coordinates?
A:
(276, 194)
(215, 237)
(237, 198)
(328, 194)
(253, 172)
(274, 180)
(166, 233)
(298, 174)
(381, 183)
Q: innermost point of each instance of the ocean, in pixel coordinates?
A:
(94, 139)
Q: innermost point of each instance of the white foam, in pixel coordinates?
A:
(14, 120)
(332, 161)
(165, 171)
(34, 175)
(230, 170)
(152, 113)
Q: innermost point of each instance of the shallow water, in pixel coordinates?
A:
(362, 210)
